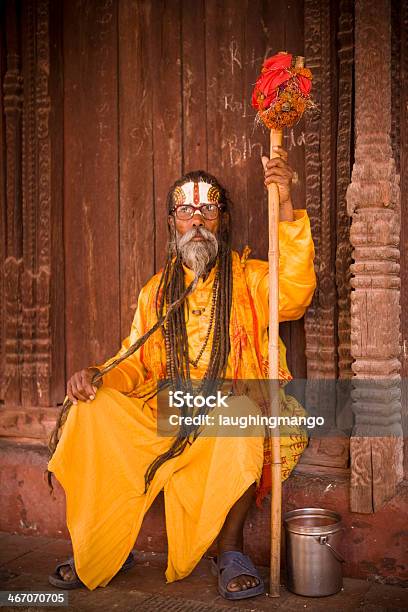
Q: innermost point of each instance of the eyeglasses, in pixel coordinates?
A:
(186, 211)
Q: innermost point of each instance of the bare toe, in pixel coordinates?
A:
(242, 583)
(66, 573)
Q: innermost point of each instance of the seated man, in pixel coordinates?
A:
(110, 460)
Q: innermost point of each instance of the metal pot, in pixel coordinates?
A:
(314, 565)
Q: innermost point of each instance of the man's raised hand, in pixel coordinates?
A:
(277, 170)
(79, 386)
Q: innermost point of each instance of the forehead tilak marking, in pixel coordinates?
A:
(196, 196)
(194, 193)
(179, 196)
(214, 194)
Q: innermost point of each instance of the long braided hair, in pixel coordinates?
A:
(171, 287)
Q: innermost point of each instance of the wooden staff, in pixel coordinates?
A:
(290, 98)
(276, 140)
(276, 137)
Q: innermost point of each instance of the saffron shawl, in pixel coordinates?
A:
(247, 362)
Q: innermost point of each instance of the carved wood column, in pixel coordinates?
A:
(345, 37)
(12, 264)
(374, 205)
(35, 294)
(34, 374)
(320, 318)
(327, 154)
(401, 83)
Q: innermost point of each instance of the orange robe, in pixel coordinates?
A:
(106, 446)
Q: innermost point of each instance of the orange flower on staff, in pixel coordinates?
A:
(304, 78)
(281, 93)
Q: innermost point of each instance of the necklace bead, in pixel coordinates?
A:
(194, 362)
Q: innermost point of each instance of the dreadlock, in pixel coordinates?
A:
(171, 287)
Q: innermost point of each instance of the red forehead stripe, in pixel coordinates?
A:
(196, 197)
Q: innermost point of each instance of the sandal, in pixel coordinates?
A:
(57, 580)
(230, 565)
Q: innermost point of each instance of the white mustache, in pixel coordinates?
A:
(199, 231)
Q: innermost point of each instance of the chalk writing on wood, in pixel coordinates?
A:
(235, 57)
(241, 148)
(293, 140)
(241, 107)
(232, 56)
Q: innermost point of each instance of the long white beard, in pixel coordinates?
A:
(197, 255)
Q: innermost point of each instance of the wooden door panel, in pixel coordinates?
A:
(91, 182)
(136, 172)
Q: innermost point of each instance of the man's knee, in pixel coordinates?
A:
(94, 407)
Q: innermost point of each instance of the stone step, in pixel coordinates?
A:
(26, 561)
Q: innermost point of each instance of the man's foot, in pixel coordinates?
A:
(242, 582)
(65, 576)
(238, 578)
